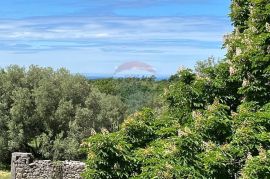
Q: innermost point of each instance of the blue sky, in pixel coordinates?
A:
(96, 36)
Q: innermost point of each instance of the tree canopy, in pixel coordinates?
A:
(215, 120)
(49, 112)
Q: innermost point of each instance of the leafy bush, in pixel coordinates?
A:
(48, 112)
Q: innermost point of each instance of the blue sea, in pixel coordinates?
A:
(105, 76)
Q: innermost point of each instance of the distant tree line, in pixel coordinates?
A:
(136, 93)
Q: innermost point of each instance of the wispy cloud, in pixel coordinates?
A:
(56, 32)
(110, 32)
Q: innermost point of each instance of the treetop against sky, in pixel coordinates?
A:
(97, 36)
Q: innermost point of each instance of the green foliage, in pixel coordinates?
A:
(240, 13)
(186, 94)
(49, 112)
(147, 154)
(209, 82)
(258, 166)
(138, 130)
(136, 93)
(209, 123)
(215, 122)
(216, 143)
(248, 48)
(109, 157)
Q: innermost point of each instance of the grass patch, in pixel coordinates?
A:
(5, 175)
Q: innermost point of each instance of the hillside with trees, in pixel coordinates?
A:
(216, 119)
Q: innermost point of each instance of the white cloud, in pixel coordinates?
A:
(78, 29)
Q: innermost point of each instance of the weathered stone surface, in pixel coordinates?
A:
(24, 167)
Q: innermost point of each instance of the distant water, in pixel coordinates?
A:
(106, 76)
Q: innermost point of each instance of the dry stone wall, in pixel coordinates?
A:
(24, 167)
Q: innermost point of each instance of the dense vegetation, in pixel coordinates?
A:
(216, 119)
(210, 122)
(134, 92)
(49, 113)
